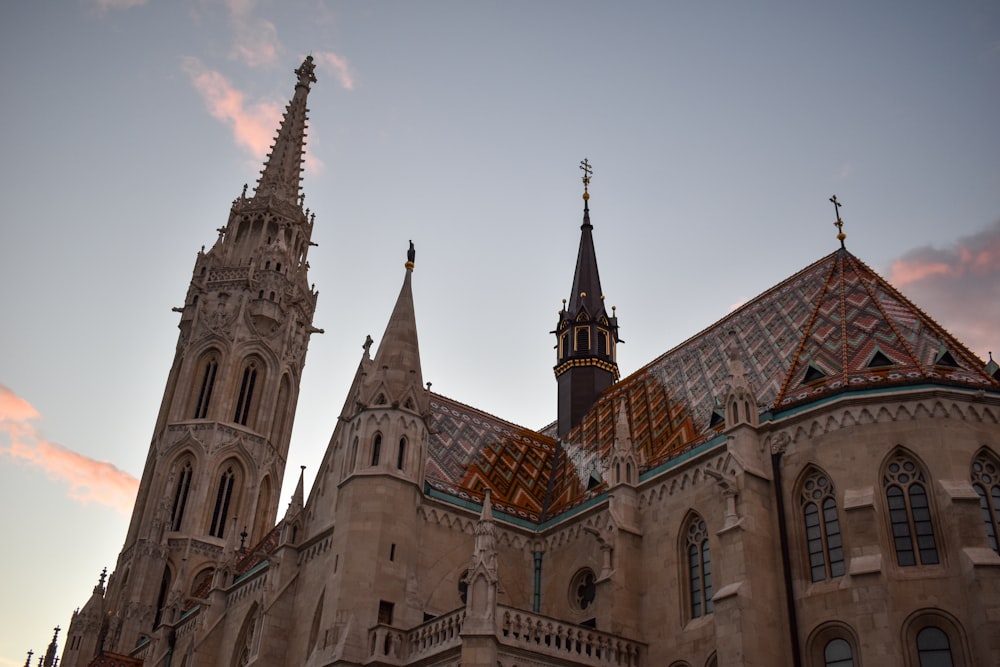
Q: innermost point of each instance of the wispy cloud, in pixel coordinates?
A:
(88, 480)
(253, 124)
(959, 286)
(338, 66)
(105, 5)
(255, 40)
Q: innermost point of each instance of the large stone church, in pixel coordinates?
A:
(812, 480)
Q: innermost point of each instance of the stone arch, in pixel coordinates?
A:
(930, 617)
(818, 644)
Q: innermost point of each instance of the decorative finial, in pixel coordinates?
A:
(411, 254)
(305, 72)
(27, 663)
(243, 539)
(840, 223)
(587, 172)
(244, 195)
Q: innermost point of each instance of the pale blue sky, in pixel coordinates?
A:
(717, 130)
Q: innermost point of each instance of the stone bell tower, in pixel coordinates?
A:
(220, 442)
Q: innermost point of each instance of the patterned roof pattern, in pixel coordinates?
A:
(469, 450)
(835, 326)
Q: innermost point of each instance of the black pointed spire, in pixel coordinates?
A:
(586, 334)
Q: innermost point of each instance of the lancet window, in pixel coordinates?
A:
(698, 557)
(245, 398)
(909, 511)
(986, 482)
(223, 500)
(822, 527)
(181, 496)
(211, 368)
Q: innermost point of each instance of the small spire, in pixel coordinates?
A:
(99, 588)
(839, 224)
(411, 255)
(27, 663)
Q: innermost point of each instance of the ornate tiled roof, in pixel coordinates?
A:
(835, 326)
(469, 450)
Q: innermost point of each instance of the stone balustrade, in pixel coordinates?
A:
(548, 636)
(515, 628)
(393, 646)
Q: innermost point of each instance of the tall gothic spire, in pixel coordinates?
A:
(586, 334)
(283, 168)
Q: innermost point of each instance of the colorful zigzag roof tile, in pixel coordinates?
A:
(834, 327)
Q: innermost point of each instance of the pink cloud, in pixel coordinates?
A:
(958, 286)
(88, 480)
(255, 39)
(338, 65)
(254, 125)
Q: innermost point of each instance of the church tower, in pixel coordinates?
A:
(586, 336)
(220, 442)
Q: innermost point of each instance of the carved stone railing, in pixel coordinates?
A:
(142, 649)
(393, 646)
(551, 637)
(515, 629)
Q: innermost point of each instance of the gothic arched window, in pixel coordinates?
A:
(401, 454)
(909, 511)
(698, 557)
(245, 398)
(210, 367)
(822, 526)
(376, 449)
(181, 496)
(986, 482)
(223, 499)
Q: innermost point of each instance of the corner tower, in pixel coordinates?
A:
(220, 442)
(586, 335)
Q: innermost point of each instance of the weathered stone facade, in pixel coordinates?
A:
(812, 481)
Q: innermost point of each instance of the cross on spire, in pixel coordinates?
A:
(839, 224)
(587, 173)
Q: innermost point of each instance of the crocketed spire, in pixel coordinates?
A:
(283, 168)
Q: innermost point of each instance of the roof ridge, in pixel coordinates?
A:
(490, 415)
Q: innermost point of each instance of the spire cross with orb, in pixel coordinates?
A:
(839, 224)
(587, 172)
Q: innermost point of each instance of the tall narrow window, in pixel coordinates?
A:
(246, 394)
(180, 496)
(699, 567)
(354, 453)
(986, 482)
(934, 648)
(223, 497)
(602, 342)
(822, 524)
(376, 449)
(837, 653)
(205, 391)
(401, 454)
(909, 512)
(582, 343)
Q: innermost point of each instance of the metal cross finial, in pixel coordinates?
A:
(587, 172)
(243, 539)
(839, 224)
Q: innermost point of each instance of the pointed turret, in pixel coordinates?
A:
(586, 334)
(283, 169)
(396, 378)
